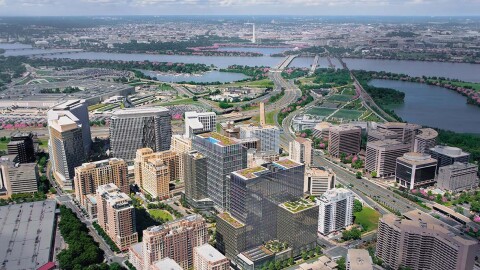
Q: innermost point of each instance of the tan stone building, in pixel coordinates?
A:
(181, 145)
(420, 241)
(116, 215)
(154, 171)
(300, 150)
(175, 240)
(206, 257)
(89, 176)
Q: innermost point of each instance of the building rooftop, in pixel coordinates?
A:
(344, 127)
(26, 232)
(359, 259)
(135, 112)
(250, 173)
(219, 139)
(298, 205)
(427, 133)
(386, 143)
(174, 224)
(166, 264)
(228, 218)
(458, 166)
(425, 224)
(286, 163)
(209, 253)
(334, 195)
(415, 158)
(449, 151)
(400, 125)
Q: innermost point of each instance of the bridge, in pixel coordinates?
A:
(72, 51)
(314, 65)
(330, 63)
(285, 62)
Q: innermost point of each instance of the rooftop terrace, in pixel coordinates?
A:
(299, 205)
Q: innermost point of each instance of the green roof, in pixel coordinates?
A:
(299, 205)
(228, 218)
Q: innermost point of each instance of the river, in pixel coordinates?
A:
(461, 71)
(434, 106)
(211, 76)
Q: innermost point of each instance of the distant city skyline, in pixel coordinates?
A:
(240, 7)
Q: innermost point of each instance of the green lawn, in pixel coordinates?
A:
(259, 84)
(160, 214)
(368, 218)
(179, 102)
(348, 114)
(349, 91)
(320, 111)
(165, 87)
(340, 98)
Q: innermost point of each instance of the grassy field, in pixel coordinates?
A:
(258, 84)
(348, 114)
(269, 118)
(368, 218)
(179, 102)
(340, 98)
(320, 111)
(160, 214)
(165, 87)
(349, 91)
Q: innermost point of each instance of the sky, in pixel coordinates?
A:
(240, 7)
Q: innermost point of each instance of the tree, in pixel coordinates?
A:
(475, 206)
(374, 174)
(341, 264)
(357, 206)
(359, 175)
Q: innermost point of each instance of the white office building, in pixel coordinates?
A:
(269, 136)
(335, 210)
(196, 122)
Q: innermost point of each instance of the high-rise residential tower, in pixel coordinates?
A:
(116, 215)
(175, 240)
(335, 210)
(300, 150)
(421, 242)
(135, 128)
(89, 176)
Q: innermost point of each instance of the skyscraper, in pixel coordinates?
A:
(224, 155)
(344, 139)
(66, 146)
(335, 210)
(300, 150)
(175, 239)
(79, 109)
(256, 193)
(421, 242)
(181, 145)
(199, 122)
(132, 129)
(89, 176)
(196, 191)
(116, 215)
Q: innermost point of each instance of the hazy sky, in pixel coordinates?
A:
(237, 7)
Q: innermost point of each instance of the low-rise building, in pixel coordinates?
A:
(206, 257)
(17, 177)
(447, 155)
(359, 259)
(458, 177)
(318, 181)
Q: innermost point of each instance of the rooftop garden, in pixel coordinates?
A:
(299, 205)
(250, 172)
(228, 218)
(276, 246)
(223, 140)
(287, 163)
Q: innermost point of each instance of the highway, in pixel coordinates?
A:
(365, 188)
